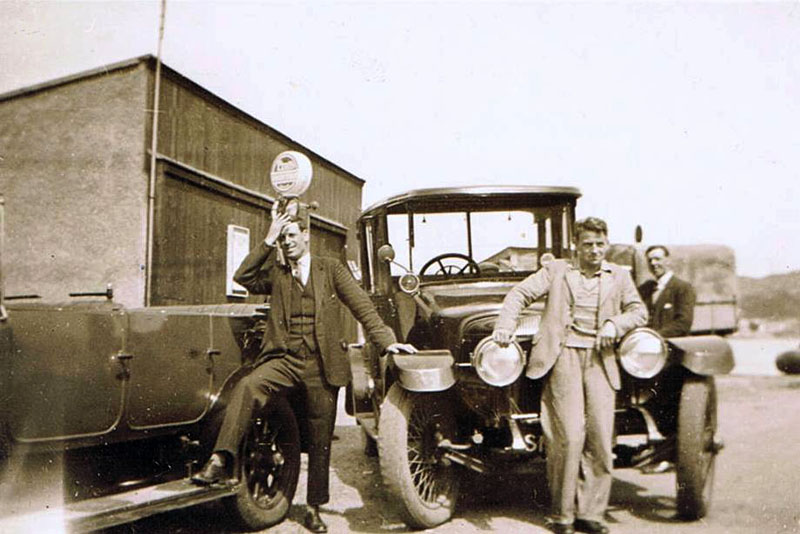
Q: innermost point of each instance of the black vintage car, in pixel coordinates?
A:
(438, 263)
(106, 412)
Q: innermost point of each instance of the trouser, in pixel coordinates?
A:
(578, 425)
(278, 376)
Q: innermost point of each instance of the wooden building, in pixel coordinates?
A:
(75, 173)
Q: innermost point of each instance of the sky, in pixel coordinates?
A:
(683, 117)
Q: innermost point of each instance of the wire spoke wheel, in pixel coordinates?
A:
(419, 481)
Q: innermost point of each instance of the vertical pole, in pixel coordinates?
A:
(3, 314)
(151, 190)
(469, 235)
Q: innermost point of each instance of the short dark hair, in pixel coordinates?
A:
(302, 222)
(651, 248)
(590, 224)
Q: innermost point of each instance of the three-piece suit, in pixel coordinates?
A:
(303, 347)
(580, 382)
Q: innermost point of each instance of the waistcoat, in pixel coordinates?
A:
(301, 317)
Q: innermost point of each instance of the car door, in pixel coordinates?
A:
(63, 376)
(171, 367)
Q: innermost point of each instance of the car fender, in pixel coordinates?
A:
(424, 371)
(704, 355)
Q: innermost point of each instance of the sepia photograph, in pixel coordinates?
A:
(379, 266)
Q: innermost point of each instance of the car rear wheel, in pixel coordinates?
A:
(269, 466)
(697, 426)
(411, 425)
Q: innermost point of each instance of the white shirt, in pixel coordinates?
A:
(303, 266)
(661, 283)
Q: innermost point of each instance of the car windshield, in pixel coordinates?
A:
(485, 243)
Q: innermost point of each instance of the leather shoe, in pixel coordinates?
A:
(590, 527)
(660, 467)
(313, 521)
(212, 473)
(562, 528)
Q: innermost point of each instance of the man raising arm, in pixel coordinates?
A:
(302, 349)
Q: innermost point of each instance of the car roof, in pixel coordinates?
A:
(443, 199)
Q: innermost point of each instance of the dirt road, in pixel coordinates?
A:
(757, 483)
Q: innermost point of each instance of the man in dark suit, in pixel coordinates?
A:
(669, 299)
(670, 302)
(302, 348)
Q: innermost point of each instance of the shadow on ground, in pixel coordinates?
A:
(360, 504)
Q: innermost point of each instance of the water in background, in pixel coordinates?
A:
(756, 356)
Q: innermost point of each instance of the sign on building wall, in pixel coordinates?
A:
(238, 247)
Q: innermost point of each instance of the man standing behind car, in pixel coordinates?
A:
(670, 302)
(302, 348)
(590, 305)
(669, 299)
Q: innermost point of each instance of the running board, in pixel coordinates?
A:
(112, 510)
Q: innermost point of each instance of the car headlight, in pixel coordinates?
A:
(498, 366)
(409, 283)
(642, 353)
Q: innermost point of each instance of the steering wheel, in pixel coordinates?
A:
(470, 266)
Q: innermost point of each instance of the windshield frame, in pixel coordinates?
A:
(374, 231)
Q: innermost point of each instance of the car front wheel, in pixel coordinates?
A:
(269, 466)
(697, 426)
(424, 486)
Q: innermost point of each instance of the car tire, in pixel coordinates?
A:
(268, 468)
(697, 426)
(424, 488)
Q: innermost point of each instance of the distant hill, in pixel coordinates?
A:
(774, 297)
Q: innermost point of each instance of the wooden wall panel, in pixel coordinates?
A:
(203, 132)
(190, 245)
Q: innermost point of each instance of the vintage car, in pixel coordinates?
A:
(438, 263)
(106, 412)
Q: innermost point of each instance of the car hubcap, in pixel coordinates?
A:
(263, 463)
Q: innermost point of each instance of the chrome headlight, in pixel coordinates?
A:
(642, 353)
(408, 283)
(498, 366)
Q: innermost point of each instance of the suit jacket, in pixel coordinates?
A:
(619, 303)
(671, 315)
(333, 285)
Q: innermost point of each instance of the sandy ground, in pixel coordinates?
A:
(757, 486)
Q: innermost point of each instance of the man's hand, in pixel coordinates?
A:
(502, 337)
(277, 224)
(607, 337)
(396, 348)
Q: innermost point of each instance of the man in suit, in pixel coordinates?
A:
(670, 302)
(302, 348)
(669, 299)
(590, 304)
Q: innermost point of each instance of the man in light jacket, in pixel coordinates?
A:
(590, 304)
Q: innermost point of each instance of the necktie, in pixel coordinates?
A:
(658, 291)
(297, 274)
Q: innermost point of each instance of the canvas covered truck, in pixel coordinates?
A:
(438, 263)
